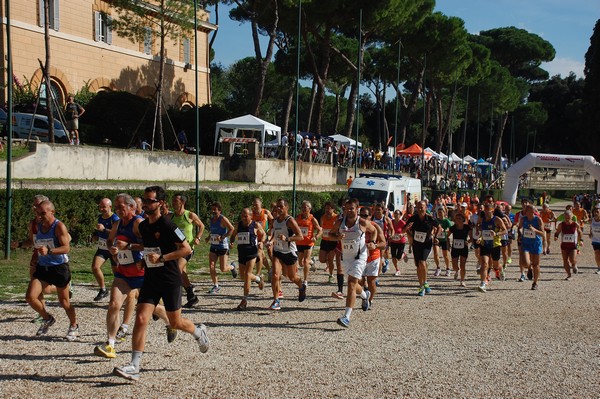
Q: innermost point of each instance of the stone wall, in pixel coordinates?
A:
(57, 161)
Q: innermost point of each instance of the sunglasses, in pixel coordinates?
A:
(149, 200)
(362, 215)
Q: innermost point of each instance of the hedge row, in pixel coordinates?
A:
(79, 210)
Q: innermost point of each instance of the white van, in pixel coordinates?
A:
(22, 124)
(391, 190)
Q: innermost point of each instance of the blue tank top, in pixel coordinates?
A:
(126, 233)
(246, 237)
(530, 238)
(107, 223)
(216, 230)
(487, 225)
(49, 240)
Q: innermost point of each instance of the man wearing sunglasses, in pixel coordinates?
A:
(163, 244)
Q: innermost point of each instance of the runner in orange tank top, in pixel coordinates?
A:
(548, 217)
(327, 252)
(308, 226)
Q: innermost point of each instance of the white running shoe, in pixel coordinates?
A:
(203, 341)
(72, 333)
(128, 372)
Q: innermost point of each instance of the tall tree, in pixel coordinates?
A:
(521, 53)
(139, 20)
(264, 19)
(592, 89)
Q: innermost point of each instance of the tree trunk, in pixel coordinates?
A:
(47, 74)
(159, 88)
(497, 154)
(409, 109)
(320, 70)
(263, 63)
(313, 95)
(214, 35)
(351, 107)
(288, 108)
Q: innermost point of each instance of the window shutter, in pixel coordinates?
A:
(56, 24)
(97, 25)
(42, 15)
(108, 30)
(186, 50)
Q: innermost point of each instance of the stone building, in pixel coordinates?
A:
(84, 50)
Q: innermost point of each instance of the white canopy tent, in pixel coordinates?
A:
(340, 138)
(246, 122)
(454, 158)
(437, 155)
(469, 159)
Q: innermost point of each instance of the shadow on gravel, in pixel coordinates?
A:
(309, 325)
(67, 379)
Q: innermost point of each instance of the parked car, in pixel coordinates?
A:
(22, 124)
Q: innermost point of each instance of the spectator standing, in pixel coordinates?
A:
(73, 112)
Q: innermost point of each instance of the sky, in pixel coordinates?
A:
(567, 25)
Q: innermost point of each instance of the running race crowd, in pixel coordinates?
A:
(148, 247)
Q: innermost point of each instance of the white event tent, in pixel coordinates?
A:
(246, 122)
(454, 158)
(347, 141)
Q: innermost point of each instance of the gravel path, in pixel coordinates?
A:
(456, 342)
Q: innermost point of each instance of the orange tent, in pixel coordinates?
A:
(414, 151)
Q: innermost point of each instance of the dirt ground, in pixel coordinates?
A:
(454, 343)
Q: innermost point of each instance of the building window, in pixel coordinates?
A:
(187, 57)
(56, 92)
(103, 27)
(147, 40)
(53, 13)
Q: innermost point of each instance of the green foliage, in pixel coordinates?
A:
(79, 209)
(591, 97)
(116, 117)
(208, 116)
(164, 18)
(23, 96)
(518, 50)
(84, 95)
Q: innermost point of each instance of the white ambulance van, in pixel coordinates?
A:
(392, 190)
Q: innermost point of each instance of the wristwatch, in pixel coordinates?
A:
(161, 259)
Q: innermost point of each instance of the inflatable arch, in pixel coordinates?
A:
(532, 160)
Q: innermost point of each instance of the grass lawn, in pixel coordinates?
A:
(17, 151)
(15, 272)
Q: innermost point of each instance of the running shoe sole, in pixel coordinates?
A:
(128, 376)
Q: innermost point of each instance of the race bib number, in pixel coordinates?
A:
(45, 242)
(396, 237)
(349, 245)
(528, 233)
(280, 245)
(420, 236)
(476, 234)
(326, 233)
(243, 238)
(596, 232)
(304, 231)
(570, 238)
(488, 235)
(215, 239)
(458, 244)
(441, 234)
(547, 226)
(152, 250)
(125, 257)
(102, 244)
